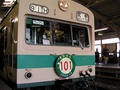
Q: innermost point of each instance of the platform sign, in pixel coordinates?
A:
(65, 65)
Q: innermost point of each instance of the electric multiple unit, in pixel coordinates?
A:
(47, 41)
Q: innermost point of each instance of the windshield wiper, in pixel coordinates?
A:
(80, 45)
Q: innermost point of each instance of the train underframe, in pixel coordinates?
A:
(67, 85)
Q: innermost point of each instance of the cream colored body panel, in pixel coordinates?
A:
(48, 74)
(21, 11)
(24, 11)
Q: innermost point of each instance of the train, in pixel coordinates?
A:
(47, 44)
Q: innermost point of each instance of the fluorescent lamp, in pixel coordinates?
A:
(100, 34)
(101, 29)
(8, 2)
(0, 19)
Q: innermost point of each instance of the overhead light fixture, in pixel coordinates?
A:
(8, 2)
(101, 29)
(100, 34)
(0, 19)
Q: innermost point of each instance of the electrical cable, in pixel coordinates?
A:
(87, 84)
(92, 80)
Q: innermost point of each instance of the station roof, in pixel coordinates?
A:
(106, 12)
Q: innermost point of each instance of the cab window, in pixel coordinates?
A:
(54, 33)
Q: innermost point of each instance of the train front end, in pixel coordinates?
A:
(57, 43)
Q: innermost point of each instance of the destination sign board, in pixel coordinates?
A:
(83, 17)
(39, 9)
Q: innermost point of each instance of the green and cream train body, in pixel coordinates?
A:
(46, 41)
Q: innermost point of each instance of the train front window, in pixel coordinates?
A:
(80, 36)
(61, 34)
(37, 32)
(44, 32)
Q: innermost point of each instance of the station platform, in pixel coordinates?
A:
(4, 86)
(108, 76)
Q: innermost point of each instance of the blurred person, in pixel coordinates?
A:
(96, 56)
(105, 53)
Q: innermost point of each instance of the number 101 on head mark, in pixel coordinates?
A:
(65, 66)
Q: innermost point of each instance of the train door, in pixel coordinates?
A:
(11, 49)
(1, 49)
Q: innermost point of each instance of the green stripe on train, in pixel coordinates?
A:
(47, 61)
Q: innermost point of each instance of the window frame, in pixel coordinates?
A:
(59, 21)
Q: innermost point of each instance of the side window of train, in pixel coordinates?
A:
(37, 31)
(2, 40)
(5, 36)
(12, 30)
(80, 36)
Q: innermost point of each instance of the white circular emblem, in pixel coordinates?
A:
(65, 65)
(64, 5)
